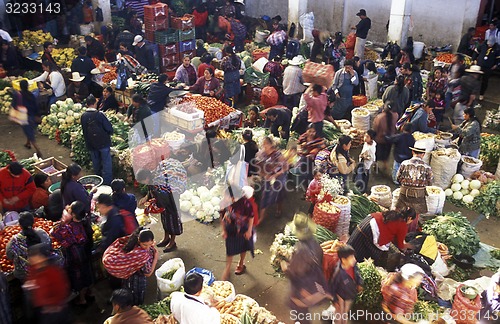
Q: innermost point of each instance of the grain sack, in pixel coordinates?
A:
(444, 164)
(469, 166)
(344, 204)
(395, 197)
(435, 200)
(382, 195)
(361, 119)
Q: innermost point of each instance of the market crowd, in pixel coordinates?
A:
(288, 108)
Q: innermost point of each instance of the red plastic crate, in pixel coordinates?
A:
(156, 10)
(169, 60)
(156, 25)
(182, 23)
(149, 35)
(168, 49)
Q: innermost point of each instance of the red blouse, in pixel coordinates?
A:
(394, 231)
(52, 287)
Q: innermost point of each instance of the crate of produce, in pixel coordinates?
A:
(191, 54)
(156, 25)
(51, 167)
(183, 23)
(187, 46)
(158, 10)
(169, 60)
(168, 49)
(187, 111)
(188, 125)
(167, 36)
(186, 34)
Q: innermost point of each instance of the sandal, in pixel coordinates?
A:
(240, 270)
(28, 146)
(163, 243)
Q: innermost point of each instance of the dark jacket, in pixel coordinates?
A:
(83, 65)
(109, 103)
(74, 191)
(96, 49)
(363, 27)
(342, 285)
(111, 229)
(465, 45)
(251, 150)
(145, 56)
(125, 201)
(283, 120)
(486, 57)
(55, 206)
(158, 96)
(402, 143)
(139, 114)
(47, 57)
(29, 101)
(419, 122)
(82, 93)
(92, 115)
(11, 62)
(417, 87)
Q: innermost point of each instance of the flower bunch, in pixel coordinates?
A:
(330, 188)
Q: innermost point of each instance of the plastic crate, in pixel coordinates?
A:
(167, 36)
(156, 25)
(168, 49)
(186, 34)
(48, 166)
(189, 125)
(149, 35)
(191, 54)
(156, 10)
(169, 60)
(187, 46)
(182, 23)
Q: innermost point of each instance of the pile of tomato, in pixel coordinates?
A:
(8, 232)
(214, 109)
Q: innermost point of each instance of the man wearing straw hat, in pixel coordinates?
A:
(77, 90)
(308, 291)
(414, 175)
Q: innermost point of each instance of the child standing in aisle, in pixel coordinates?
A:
(439, 109)
(345, 284)
(366, 159)
(313, 190)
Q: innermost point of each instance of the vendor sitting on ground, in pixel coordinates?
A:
(77, 90)
(124, 311)
(400, 294)
(207, 85)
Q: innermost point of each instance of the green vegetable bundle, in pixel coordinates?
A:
(159, 308)
(490, 151)
(455, 231)
(425, 310)
(371, 296)
(487, 202)
(361, 207)
(79, 152)
(331, 133)
(6, 157)
(169, 275)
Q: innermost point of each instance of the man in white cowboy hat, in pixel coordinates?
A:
(293, 86)
(470, 87)
(413, 176)
(83, 64)
(77, 90)
(309, 289)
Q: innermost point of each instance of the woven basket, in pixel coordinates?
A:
(358, 101)
(327, 220)
(465, 310)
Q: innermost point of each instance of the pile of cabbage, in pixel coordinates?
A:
(201, 203)
(63, 115)
(462, 189)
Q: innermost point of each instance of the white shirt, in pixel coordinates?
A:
(56, 82)
(495, 35)
(192, 311)
(5, 35)
(370, 151)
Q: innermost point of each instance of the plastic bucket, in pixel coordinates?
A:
(418, 49)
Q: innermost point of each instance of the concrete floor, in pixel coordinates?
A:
(202, 246)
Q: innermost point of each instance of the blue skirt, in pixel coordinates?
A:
(232, 85)
(273, 194)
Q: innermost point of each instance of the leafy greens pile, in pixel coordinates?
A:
(487, 202)
(455, 231)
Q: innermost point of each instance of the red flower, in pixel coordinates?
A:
(11, 155)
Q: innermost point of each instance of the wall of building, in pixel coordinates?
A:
(434, 22)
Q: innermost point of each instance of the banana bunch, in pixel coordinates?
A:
(31, 38)
(64, 56)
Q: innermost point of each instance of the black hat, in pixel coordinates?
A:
(362, 12)
(277, 18)
(15, 168)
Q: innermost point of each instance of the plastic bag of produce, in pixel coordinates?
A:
(435, 200)
(170, 276)
(444, 164)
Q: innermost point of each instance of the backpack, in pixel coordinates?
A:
(292, 49)
(129, 221)
(239, 30)
(96, 135)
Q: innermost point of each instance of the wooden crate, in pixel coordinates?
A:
(41, 167)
